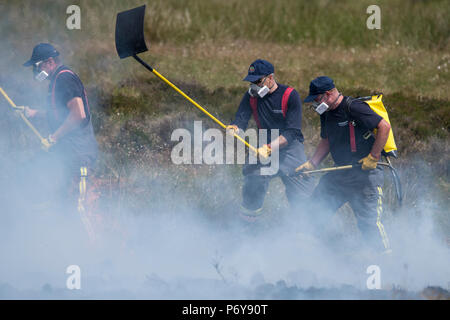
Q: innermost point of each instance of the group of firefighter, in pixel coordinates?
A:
(344, 126)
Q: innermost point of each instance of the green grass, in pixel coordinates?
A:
(324, 23)
(205, 47)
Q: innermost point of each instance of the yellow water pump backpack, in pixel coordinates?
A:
(376, 104)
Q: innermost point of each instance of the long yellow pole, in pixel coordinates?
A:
(202, 109)
(337, 168)
(326, 169)
(20, 111)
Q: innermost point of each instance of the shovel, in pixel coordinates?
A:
(130, 42)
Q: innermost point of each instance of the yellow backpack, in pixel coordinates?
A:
(376, 104)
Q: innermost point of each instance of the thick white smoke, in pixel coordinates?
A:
(183, 255)
(178, 251)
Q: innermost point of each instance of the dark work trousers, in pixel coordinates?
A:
(298, 188)
(363, 190)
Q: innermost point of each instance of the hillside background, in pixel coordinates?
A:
(205, 48)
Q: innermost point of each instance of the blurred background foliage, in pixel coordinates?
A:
(205, 47)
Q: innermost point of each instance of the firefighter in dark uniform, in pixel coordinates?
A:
(273, 106)
(345, 128)
(71, 145)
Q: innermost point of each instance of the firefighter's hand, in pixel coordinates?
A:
(369, 162)
(307, 166)
(232, 129)
(265, 151)
(47, 143)
(29, 113)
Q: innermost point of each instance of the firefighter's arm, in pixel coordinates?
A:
(322, 150)
(383, 129)
(279, 142)
(370, 162)
(286, 137)
(73, 120)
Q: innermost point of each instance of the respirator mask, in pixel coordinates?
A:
(320, 108)
(39, 75)
(257, 91)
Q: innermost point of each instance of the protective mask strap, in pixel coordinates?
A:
(334, 102)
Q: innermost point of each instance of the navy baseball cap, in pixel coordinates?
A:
(41, 52)
(318, 86)
(258, 69)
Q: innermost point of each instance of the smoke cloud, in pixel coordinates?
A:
(158, 239)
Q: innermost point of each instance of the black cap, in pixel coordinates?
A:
(318, 86)
(258, 69)
(41, 52)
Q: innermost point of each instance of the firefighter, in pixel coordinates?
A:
(72, 147)
(346, 127)
(273, 106)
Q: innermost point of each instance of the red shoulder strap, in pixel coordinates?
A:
(285, 99)
(352, 136)
(254, 106)
(351, 125)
